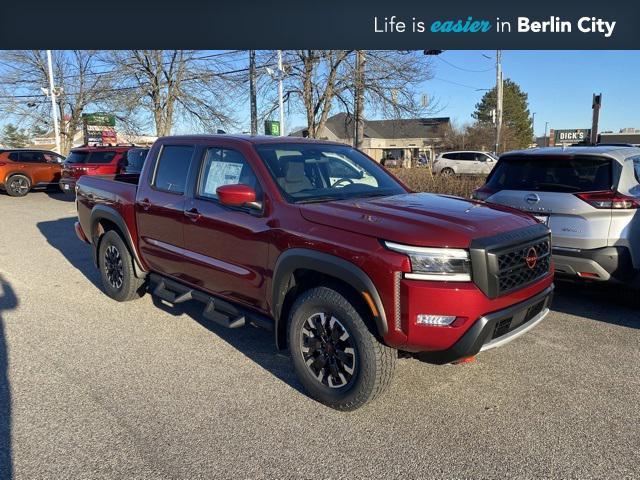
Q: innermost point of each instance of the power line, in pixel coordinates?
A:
(459, 84)
(464, 69)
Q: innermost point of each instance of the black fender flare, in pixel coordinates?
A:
(103, 212)
(302, 258)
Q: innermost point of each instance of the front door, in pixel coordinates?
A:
(226, 248)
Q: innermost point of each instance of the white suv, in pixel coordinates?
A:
(590, 199)
(463, 163)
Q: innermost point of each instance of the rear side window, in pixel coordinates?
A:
(636, 167)
(32, 157)
(468, 156)
(172, 168)
(451, 156)
(553, 174)
(225, 167)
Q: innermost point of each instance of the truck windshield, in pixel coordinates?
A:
(553, 174)
(315, 172)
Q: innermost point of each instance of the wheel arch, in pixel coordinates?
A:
(298, 263)
(103, 219)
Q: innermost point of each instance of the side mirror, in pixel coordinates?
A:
(238, 195)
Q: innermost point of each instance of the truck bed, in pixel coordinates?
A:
(116, 192)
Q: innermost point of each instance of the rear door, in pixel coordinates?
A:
(159, 209)
(547, 187)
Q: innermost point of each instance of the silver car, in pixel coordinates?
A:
(588, 196)
(464, 163)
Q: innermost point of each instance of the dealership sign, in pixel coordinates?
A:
(575, 135)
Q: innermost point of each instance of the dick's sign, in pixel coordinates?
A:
(576, 135)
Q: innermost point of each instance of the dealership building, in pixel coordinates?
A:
(402, 139)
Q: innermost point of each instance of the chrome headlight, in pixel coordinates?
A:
(444, 264)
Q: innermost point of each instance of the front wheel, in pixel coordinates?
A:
(18, 186)
(336, 357)
(116, 269)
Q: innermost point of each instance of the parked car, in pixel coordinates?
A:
(22, 170)
(463, 163)
(588, 196)
(97, 160)
(344, 271)
(134, 160)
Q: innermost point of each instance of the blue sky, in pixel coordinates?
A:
(559, 84)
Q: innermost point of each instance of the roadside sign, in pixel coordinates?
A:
(272, 127)
(99, 118)
(569, 136)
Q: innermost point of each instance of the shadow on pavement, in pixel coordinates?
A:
(604, 303)
(255, 343)
(8, 301)
(59, 195)
(62, 236)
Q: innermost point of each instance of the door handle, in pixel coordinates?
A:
(145, 204)
(193, 214)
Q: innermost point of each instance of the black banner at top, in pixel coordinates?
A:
(286, 24)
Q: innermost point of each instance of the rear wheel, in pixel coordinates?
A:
(18, 185)
(116, 269)
(447, 172)
(338, 360)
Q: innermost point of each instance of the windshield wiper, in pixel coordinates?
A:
(319, 199)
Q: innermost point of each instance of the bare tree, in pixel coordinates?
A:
(78, 76)
(176, 84)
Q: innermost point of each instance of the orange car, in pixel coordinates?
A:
(22, 170)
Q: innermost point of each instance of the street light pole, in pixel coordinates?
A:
(54, 112)
(499, 95)
(280, 93)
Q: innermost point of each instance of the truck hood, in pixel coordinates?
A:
(421, 219)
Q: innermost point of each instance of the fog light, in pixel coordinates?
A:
(435, 320)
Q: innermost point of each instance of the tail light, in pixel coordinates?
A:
(609, 199)
(483, 193)
(2, 164)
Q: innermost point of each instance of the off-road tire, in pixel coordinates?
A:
(374, 362)
(18, 185)
(116, 269)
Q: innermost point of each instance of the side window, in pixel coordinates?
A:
(481, 157)
(52, 158)
(32, 157)
(636, 167)
(225, 167)
(450, 156)
(14, 156)
(173, 166)
(467, 156)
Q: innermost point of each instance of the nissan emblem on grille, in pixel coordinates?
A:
(531, 258)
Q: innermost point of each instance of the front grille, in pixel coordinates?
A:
(513, 270)
(499, 264)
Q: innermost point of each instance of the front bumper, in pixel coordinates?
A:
(602, 264)
(496, 329)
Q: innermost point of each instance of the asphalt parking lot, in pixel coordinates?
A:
(91, 388)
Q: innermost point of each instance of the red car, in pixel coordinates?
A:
(92, 161)
(320, 244)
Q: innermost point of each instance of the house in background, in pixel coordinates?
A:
(399, 139)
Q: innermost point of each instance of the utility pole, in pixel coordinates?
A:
(499, 95)
(595, 105)
(280, 93)
(359, 99)
(252, 92)
(54, 106)
(533, 126)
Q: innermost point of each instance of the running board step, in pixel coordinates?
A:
(221, 318)
(162, 291)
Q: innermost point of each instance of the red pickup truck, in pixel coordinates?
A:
(320, 244)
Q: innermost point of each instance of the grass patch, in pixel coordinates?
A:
(421, 180)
